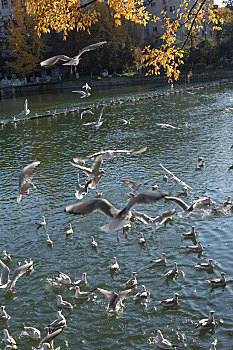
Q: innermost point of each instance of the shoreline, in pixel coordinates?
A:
(107, 82)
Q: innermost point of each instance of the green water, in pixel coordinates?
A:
(54, 141)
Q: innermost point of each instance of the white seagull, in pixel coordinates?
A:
(9, 340)
(71, 61)
(60, 322)
(163, 343)
(62, 303)
(161, 261)
(114, 299)
(115, 265)
(26, 110)
(4, 315)
(25, 179)
(99, 121)
(206, 323)
(18, 272)
(175, 179)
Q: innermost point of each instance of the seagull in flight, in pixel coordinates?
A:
(71, 61)
(26, 110)
(99, 122)
(25, 179)
(175, 179)
(114, 299)
(83, 93)
(18, 272)
(109, 154)
(120, 218)
(167, 126)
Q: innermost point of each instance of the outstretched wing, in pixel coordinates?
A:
(91, 205)
(4, 273)
(105, 293)
(27, 173)
(51, 336)
(19, 271)
(89, 48)
(178, 201)
(86, 170)
(53, 60)
(80, 92)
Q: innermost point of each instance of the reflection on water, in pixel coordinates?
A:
(54, 141)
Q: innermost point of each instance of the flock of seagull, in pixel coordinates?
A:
(119, 219)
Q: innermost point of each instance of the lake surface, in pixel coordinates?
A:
(54, 141)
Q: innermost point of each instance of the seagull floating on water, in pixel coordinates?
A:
(60, 322)
(196, 248)
(161, 261)
(115, 265)
(62, 303)
(133, 280)
(93, 242)
(143, 294)
(32, 332)
(190, 234)
(4, 315)
(206, 323)
(82, 282)
(9, 340)
(213, 344)
(219, 281)
(81, 295)
(170, 302)
(205, 266)
(70, 230)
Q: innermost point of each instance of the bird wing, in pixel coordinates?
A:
(86, 170)
(122, 295)
(101, 113)
(105, 293)
(86, 111)
(25, 105)
(80, 92)
(27, 173)
(84, 159)
(141, 217)
(91, 205)
(97, 163)
(51, 336)
(19, 271)
(93, 123)
(146, 197)
(53, 60)
(89, 48)
(131, 184)
(178, 201)
(5, 271)
(175, 177)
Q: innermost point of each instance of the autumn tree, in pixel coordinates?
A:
(65, 15)
(25, 46)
